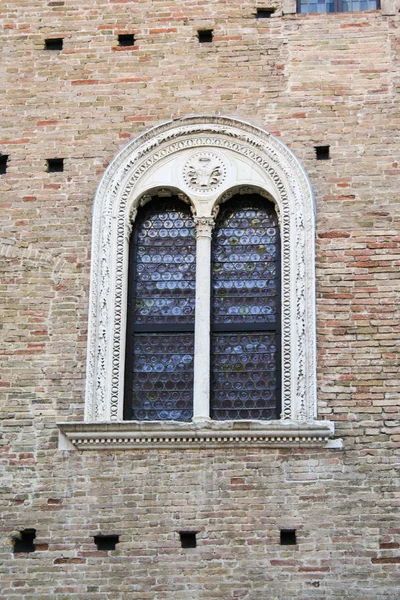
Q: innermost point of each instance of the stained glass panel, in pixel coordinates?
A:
(244, 376)
(244, 264)
(245, 311)
(162, 376)
(160, 345)
(165, 264)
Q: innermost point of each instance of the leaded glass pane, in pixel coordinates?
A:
(165, 264)
(162, 376)
(160, 344)
(245, 311)
(244, 264)
(244, 376)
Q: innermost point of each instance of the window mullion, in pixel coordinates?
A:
(201, 386)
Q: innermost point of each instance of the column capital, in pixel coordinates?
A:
(204, 226)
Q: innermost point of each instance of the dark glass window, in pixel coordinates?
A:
(161, 303)
(330, 6)
(245, 324)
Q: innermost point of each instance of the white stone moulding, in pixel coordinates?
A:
(177, 436)
(205, 160)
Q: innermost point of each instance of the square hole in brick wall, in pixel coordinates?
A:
(55, 165)
(126, 39)
(205, 36)
(288, 537)
(3, 164)
(322, 152)
(264, 13)
(25, 541)
(53, 44)
(106, 542)
(188, 539)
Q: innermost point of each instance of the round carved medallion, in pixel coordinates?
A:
(204, 172)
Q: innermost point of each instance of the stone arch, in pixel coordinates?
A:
(169, 156)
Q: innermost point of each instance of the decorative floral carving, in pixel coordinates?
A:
(204, 226)
(204, 172)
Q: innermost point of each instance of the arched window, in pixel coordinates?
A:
(204, 160)
(245, 322)
(160, 320)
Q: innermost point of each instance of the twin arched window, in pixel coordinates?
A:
(245, 312)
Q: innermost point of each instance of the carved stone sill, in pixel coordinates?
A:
(132, 435)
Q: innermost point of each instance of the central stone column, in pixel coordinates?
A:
(201, 387)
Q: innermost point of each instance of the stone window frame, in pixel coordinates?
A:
(251, 160)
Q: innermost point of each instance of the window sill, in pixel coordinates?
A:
(175, 435)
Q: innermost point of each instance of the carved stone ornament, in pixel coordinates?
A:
(202, 145)
(204, 226)
(213, 434)
(204, 172)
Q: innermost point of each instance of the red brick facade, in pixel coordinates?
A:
(311, 80)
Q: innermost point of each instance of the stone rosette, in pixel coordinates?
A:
(204, 172)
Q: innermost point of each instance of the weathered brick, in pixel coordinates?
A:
(310, 80)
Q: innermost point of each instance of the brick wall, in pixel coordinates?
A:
(312, 80)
